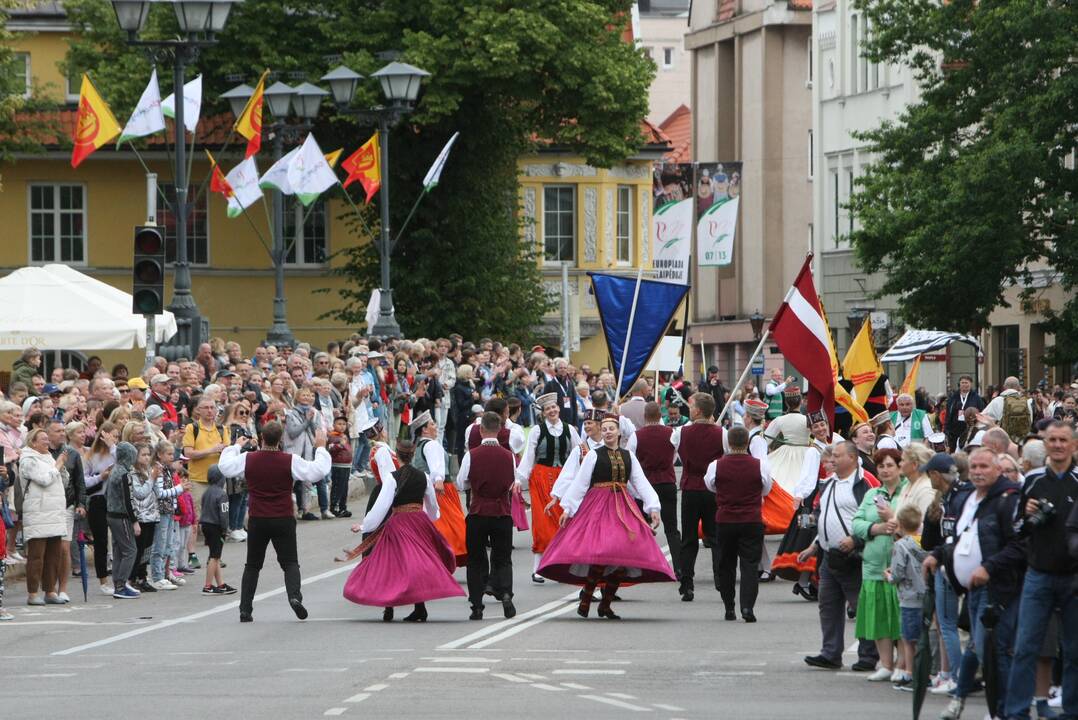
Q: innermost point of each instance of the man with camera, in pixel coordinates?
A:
(1047, 500)
(981, 560)
(840, 561)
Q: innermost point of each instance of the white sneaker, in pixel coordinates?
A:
(177, 581)
(897, 675)
(238, 535)
(881, 675)
(327, 515)
(64, 598)
(5, 615)
(953, 711)
(243, 534)
(107, 590)
(163, 584)
(943, 687)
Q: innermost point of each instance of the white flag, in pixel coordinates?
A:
(308, 173)
(715, 234)
(435, 172)
(244, 182)
(147, 117)
(277, 176)
(192, 104)
(374, 305)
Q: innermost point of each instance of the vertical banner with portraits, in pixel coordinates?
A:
(717, 197)
(672, 221)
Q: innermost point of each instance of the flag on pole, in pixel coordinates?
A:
(842, 395)
(277, 176)
(801, 333)
(909, 385)
(243, 180)
(333, 157)
(147, 117)
(308, 173)
(95, 124)
(435, 172)
(656, 304)
(861, 366)
(249, 123)
(365, 165)
(192, 104)
(218, 183)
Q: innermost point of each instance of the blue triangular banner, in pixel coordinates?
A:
(656, 305)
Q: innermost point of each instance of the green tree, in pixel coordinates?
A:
(15, 136)
(974, 185)
(505, 73)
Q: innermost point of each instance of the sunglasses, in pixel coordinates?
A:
(243, 413)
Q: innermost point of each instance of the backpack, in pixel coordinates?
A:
(1015, 420)
(220, 431)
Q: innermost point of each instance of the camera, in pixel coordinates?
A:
(1042, 515)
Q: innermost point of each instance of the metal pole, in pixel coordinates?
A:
(387, 324)
(151, 321)
(744, 374)
(565, 340)
(629, 330)
(280, 333)
(151, 342)
(151, 198)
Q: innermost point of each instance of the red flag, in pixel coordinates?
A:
(365, 165)
(801, 334)
(218, 183)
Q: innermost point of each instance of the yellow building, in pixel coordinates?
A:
(587, 218)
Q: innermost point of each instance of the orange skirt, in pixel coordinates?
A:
(778, 510)
(450, 522)
(544, 526)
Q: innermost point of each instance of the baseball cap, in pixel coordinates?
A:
(940, 462)
(137, 383)
(153, 412)
(159, 378)
(51, 389)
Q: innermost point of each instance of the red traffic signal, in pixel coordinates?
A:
(148, 271)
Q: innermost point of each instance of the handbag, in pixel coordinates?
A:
(5, 514)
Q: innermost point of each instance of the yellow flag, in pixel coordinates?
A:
(333, 157)
(95, 124)
(249, 123)
(842, 397)
(909, 385)
(861, 366)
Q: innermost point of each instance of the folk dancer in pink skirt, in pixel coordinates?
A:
(409, 562)
(604, 540)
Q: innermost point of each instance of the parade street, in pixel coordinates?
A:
(666, 658)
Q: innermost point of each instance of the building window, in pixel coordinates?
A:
(307, 246)
(836, 202)
(21, 79)
(862, 61)
(809, 64)
(198, 237)
(668, 57)
(73, 88)
(811, 238)
(559, 223)
(849, 192)
(624, 238)
(812, 155)
(57, 223)
(649, 53)
(1009, 351)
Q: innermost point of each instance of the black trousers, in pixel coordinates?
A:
(497, 570)
(97, 517)
(697, 506)
(338, 496)
(734, 542)
(143, 544)
(260, 533)
(667, 493)
(837, 589)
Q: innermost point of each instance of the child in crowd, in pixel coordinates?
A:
(123, 525)
(906, 573)
(214, 519)
(144, 500)
(167, 489)
(185, 520)
(340, 451)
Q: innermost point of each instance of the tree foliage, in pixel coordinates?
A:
(508, 74)
(13, 135)
(973, 187)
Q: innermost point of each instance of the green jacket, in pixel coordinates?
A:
(877, 552)
(23, 372)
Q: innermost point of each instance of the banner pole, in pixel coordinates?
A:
(629, 331)
(744, 374)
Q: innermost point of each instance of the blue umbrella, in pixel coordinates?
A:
(82, 565)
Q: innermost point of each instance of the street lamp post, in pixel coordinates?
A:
(400, 85)
(199, 21)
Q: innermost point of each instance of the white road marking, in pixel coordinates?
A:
(460, 659)
(575, 686)
(525, 625)
(375, 688)
(589, 671)
(616, 703)
(199, 615)
(39, 675)
(129, 623)
(671, 708)
(532, 676)
(544, 686)
(451, 670)
(553, 651)
(398, 676)
(730, 673)
(623, 696)
(598, 662)
(314, 670)
(335, 711)
(499, 626)
(510, 677)
(359, 697)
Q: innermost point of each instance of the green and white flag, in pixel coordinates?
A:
(192, 104)
(147, 117)
(308, 173)
(277, 176)
(243, 179)
(435, 172)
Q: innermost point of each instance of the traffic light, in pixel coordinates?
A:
(148, 271)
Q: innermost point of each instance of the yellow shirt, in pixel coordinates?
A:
(207, 438)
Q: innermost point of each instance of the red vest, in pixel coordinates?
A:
(738, 489)
(269, 484)
(491, 477)
(700, 444)
(656, 454)
(475, 437)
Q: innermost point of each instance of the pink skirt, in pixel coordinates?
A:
(411, 563)
(520, 515)
(606, 531)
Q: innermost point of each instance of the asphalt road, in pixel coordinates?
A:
(181, 654)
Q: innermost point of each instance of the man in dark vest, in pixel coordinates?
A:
(700, 443)
(488, 471)
(270, 474)
(739, 482)
(655, 446)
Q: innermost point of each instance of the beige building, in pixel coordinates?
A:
(662, 28)
(751, 103)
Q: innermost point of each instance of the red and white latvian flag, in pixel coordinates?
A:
(801, 333)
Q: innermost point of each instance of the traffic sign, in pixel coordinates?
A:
(758, 365)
